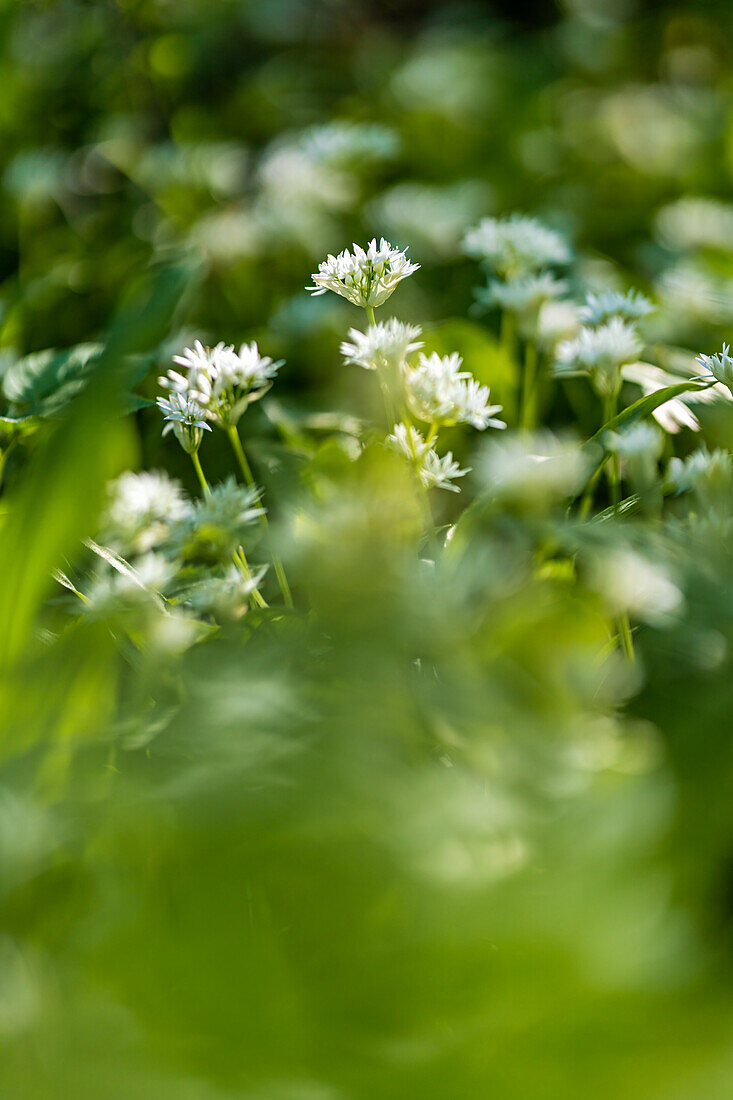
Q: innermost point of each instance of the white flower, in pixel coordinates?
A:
(215, 526)
(695, 222)
(630, 582)
(220, 380)
(600, 352)
(610, 303)
(439, 392)
(364, 277)
(640, 440)
(343, 143)
(534, 471)
(523, 293)
(126, 584)
(516, 245)
(142, 508)
(720, 366)
(702, 465)
(385, 345)
(187, 419)
(557, 321)
(225, 597)
(433, 471)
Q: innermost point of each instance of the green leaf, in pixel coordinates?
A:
(644, 407)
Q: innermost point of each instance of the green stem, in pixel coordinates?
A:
(244, 466)
(614, 478)
(370, 314)
(529, 386)
(200, 474)
(627, 640)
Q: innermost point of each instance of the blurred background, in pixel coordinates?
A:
(424, 842)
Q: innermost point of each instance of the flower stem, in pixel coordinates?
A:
(200, 473)
(370, 314)
(238, 556)
(529, 387)
(244, 466)
(614, 479)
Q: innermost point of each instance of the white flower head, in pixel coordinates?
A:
(641, 441)
(186, 418)
(610, 303)
(708, 474)
(433, 470)
(720, 366)
(557, 321)
(384, 346)
(131, 584)
(535, 470)
(365, 277)
(215, 526)
(225, 597)
(222, 381)
(600, 353)
(141, 509)
(633, 583)
(522, 294)
(439, 392)
(516, 245)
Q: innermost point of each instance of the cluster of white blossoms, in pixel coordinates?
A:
(519, 251)
(186, 418)
(384, 346)
(439, 392)
(365, 277)
(598, 308)
(516, 246)
(719, 366)
(433, 470)
(600, 353)
(142, 508)
(219, 381)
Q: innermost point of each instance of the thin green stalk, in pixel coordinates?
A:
(614, 478)
(238, 556)
(529, 386)
(200, 474)
(244, 466)
(370, 314)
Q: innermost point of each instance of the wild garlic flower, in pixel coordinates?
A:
(433, 471)
(640, 441)
(516, 245)
(365, 277)
(720, 366)
(557, 321)
(225, 597)
(708, 474)
(142, 508)
(131, 584)
(216, 525)
(610, 303)
(222, 381)
(534, 471)
(675, 413)
(600, 353)
(631, 582)
(524, 296)
(384, 346)
(439, 392)
(186, 418)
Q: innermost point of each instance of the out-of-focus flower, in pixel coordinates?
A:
(216, 525)
(433, 470)
(365, 277)
(523, 295)
(675, 413)
(630, 582)
(720, 366)
(343, 142)
(696, 222)
(225, 597)
(385, 345)
(640, 441)
(439, 392)
(141, 509)
(610, 303)
(433, 216)
(707, 474)
(126, 584)
(600, 353)
(534, 471)
(516, 245)
(691, 295)
(557, 321)
(186, 418)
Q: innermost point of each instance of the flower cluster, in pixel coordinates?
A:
(600, 353)
(439, 392)
(720, 366)
(220, 381)
(434, 471)
(384, 346)
(365, 277)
